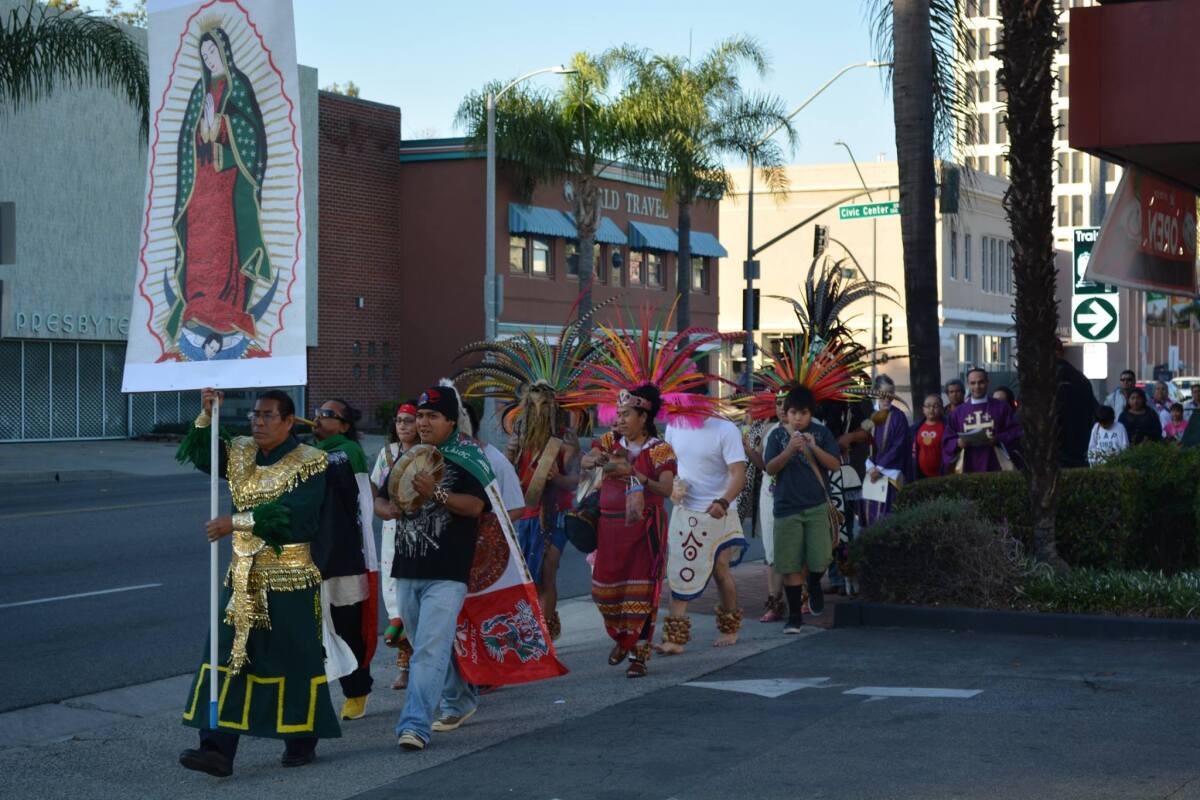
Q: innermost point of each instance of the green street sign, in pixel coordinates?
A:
(1094, 318)
(1085, 242)
(869, 210)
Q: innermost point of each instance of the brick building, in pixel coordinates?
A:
(359, 292)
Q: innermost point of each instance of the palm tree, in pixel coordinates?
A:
(926, 43)
(41, 49)
(685, 118)
(572, 134)
(1029, 39)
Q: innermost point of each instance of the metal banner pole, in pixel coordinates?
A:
(213, 568)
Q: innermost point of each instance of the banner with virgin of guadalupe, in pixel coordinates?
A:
(219, 294)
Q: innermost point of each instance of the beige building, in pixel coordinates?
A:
(975, 289)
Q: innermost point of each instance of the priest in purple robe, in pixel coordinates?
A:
(980, 431)
(891, 450)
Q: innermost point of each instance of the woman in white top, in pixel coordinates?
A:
(401, 436)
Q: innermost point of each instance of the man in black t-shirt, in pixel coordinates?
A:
(435, 545)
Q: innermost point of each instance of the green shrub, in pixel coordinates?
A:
(941, 552)
(1130, 593)
(1164, 499)
(1095, 510)
(384, 413)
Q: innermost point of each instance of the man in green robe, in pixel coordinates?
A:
(270, 659)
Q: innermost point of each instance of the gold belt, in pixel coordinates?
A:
(255, 570)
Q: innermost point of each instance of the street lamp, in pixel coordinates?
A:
(491, 285)
(874, 252)
(749, 267)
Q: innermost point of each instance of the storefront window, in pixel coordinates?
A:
(541, 257)
(516, 254)
(699, 274)
(616, 268)
(598, 271)
(636, 259)
(572, 252)
(654, 270)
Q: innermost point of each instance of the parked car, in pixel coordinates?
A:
(1174, 393)
(1184, 384)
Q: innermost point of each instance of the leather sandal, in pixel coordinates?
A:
(617, 655)
(636, 668)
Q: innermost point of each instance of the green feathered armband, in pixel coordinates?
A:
(273, 524)
(196, 447)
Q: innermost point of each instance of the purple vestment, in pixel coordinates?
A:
(997, 415)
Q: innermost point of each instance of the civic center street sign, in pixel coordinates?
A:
(869, 210)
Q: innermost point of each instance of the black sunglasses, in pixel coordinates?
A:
(327, 413)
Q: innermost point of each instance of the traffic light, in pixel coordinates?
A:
(820, 239)
(885, 329)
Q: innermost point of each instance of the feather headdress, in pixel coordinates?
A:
(511, 368)
(645, 353)
(830, 370)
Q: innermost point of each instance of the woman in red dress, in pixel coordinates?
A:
(630, 556)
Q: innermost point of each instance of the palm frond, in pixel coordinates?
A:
(42, 49)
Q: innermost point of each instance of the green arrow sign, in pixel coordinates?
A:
(869, 210)
(1094, 318)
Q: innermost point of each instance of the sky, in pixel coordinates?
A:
(425, 57)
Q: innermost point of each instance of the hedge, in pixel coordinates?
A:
(1133, 593)
(1165, 505)
(1096, 509)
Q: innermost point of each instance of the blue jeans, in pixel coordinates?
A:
(430, 609)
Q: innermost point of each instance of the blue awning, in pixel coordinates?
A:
(705, 244)
(607, 233)
(539, 221)
(643, 235)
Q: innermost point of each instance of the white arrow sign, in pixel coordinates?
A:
(1097, 319)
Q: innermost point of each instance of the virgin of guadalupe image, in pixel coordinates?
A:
(220, 256)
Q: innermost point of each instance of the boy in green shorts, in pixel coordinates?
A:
(803, 538)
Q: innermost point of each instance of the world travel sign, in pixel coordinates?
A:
(1095, 307)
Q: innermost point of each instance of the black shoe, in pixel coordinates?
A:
(297, 759)
(816, 597)
(793, 626)
(209, 761)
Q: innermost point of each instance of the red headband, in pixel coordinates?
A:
(407, 408)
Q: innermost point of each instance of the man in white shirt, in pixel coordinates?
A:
(506, 474)
(705, 534)
(1120, 396)
(1193, 404)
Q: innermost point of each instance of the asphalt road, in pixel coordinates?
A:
(1053, 719)
(94, 536)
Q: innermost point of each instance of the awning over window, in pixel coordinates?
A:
(643, 235)
(607, 233)
(705, 244)
(539, 221)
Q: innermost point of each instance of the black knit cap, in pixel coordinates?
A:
(441, 399)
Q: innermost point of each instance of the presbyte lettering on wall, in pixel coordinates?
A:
(635, 203)
(41, 324)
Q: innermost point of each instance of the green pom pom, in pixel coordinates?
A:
(273, 524)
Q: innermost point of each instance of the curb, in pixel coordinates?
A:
(1028, 623)
(61, 476)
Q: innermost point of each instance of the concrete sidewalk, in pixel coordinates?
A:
(35, 462)
(124, 742)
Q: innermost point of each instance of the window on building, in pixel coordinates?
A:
(1077, 175)
(969, 162)
(954, 254)
(1001, 128)
(985, 46)
(1066, 32)
(654, 270)
(518, 258)
(985, 164)
(983, 86)
(987, 264)
(1064, 80)
(967, 257)
(1010, 282)
(571, 250)
(997, 267)
(1064, 211)
(616, 266)
(1064, 167)
(8, 227)
(540, 257)
(982, 124)
(1001, 93)
(700, 274)
(972, 45)
(1076, 210)
(636, 260)
(968, 349)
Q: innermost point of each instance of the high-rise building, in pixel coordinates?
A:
(1079, 199)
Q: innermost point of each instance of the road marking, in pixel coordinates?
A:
(913, 691)
(93, 509)
(81, 594)
(767, 687)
